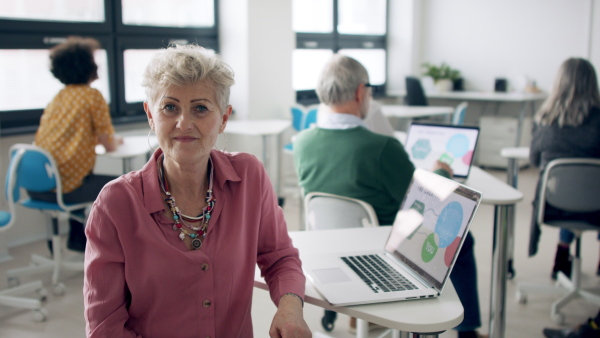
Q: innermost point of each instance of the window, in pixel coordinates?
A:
(29, 28)
(356, 28)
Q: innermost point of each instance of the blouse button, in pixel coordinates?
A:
(204, 267)
(206, 303)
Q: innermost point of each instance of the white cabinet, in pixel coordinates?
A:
(497, 133)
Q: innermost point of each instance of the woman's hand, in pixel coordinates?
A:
(288, 321)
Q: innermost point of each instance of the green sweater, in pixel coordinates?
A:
(355, 163)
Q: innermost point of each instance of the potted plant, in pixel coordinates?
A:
(443, 75)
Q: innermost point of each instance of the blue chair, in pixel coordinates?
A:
(311, 116)
(297, 117)
(34, 169)
(302, 118)
(458, 118)
(14, 296)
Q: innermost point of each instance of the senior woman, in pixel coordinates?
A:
(172, 247)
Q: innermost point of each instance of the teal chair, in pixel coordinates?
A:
(458, 118)
(302, 118)
(34, 169)
(15, 296)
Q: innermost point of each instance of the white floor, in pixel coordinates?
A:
(65, 313)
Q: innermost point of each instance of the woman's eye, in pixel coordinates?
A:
(201, 109)
(169, 109)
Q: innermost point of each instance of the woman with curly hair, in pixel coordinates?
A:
(72, 124)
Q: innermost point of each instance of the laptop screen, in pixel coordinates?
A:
(432, 224)
(454, 145)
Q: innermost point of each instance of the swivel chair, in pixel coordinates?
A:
(34, 169)
(570, 185)
(415, 95)
(14, 296)
(329, 211)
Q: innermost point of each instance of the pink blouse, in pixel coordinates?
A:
(142, 281)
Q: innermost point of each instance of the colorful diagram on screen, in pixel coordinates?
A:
(445, 235)
(457, 148)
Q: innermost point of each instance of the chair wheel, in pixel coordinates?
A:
(327, 324)
(13, 281)
(328, 320)
(521, 298)
(558, 318)
(39, 315)
(58, 289)
(510, 274)
(42, 294)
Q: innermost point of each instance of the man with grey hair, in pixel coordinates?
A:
(342, 156)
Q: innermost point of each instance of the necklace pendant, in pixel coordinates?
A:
(196, 243)
(182, 236)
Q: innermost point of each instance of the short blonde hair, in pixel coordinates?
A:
(179, 65)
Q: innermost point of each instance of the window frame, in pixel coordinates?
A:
(128, 111)
(114, 37)
(336, 41)
(27, 120)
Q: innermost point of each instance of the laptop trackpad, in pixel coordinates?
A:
(334, 275)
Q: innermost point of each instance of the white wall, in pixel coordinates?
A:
(490, 39)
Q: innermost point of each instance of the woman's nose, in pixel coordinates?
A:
(184, 122)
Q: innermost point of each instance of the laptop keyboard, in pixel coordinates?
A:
(378, 274)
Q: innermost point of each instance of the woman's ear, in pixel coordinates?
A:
(149, 115)
(225, 117)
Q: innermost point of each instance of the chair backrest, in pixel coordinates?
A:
(570, 184)
(415, 95)
(329, 211)
(32, 168)
(458, 119)
(311, 116)
(297, 116)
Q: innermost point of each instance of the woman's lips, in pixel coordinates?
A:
(185, 138)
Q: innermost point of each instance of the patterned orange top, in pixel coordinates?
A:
(69, 130)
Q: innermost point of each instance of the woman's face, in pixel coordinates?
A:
(187, 121)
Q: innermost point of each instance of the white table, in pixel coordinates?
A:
(503, 197)
(265, 129)
(431, 316)
(411, 112)
(132, 147)
(497, 98)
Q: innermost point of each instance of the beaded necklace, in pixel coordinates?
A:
(180, 218)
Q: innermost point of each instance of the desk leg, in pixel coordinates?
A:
(520, 124)
(362, 328)
(278, 153)
(512, 180)
(264, 152)
(499, 267)
(127, 165)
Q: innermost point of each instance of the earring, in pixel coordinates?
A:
(149, 144)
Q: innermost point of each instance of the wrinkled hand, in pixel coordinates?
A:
(288, 321)
(442, 165)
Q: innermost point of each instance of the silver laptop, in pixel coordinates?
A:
(455, 145)
(418, 256)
